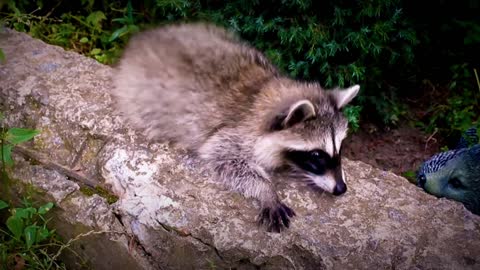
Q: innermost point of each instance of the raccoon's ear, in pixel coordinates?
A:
(296, 113)
(343, 97)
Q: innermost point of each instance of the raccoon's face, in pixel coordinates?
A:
(307, 138)
(319, 160)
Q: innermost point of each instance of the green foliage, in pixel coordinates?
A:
(447, 58)
(352, 113)
(472, 36)
(335, 43)
(461, 109)
(9, 138)
(384, 45)
(127, 22)
(410, 176)
(25, 240)
(83, 32)
(388, 103)
(3, 205)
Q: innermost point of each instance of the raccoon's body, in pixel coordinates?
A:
(200, 86)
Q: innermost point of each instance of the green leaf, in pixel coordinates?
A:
(132, 28)
(2, 56)
(352, 113)
(118, 33)
(84, 40)
(89, 3)
(95, 19)
(19, 135)
(30, 233)
(7, 154)
(3, 205)
(25, 213)
(15, 225)
(42, 234)
(120, 20)
(45, 208)
(95, 51)
(20, 213)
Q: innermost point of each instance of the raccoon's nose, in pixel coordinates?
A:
(340, 188)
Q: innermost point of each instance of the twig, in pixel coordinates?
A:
(476, 76)
(431, 138)
(42, 159)
(69, 243)
(51, 11)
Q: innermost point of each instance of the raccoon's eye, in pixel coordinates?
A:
(313, 161)
(318, 154)
(318, 161)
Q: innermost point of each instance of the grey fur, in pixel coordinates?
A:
(201, 87)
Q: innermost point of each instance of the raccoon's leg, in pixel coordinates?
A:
(225, 156)
(239, 176)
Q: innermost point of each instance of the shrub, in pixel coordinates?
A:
(460, 109)
(387, 46)
(447, 57)
(337, 43)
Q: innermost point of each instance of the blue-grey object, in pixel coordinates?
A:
(455, 174)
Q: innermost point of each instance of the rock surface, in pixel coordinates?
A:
(171, 215)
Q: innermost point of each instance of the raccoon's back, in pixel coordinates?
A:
(183, 82)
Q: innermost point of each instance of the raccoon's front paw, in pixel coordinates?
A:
(276, 218)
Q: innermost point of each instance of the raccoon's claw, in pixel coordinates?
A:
(276, 218)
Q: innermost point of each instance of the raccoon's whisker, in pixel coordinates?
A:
(301, 178)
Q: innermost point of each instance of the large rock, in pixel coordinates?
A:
(172, 215)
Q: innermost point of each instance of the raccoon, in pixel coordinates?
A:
(202, 87)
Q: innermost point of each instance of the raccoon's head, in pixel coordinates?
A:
(305, 136)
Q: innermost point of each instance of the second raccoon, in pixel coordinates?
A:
(203, 88)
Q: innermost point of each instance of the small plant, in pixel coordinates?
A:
(127, 22)
(352, 113)
(87, 32)
(8, 139)
(461, 109)
(25, 240)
